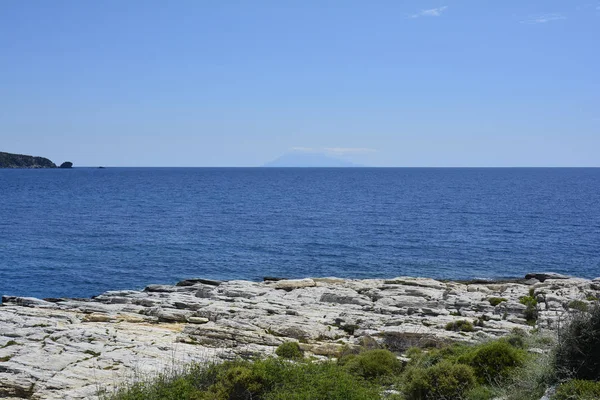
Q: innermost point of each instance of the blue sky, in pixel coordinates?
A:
(238, 83)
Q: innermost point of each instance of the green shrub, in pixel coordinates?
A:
(240, 381)
(578, 305)
(313, 381)
(481, 393)
(372, 364)
(531, 310)
(269, 379)
(516, 341)
(460, 326)
(494, 361)
(577, 354)
(494, 301)
(578, 389)
(289, 350)
(444, 380)
(452, 353)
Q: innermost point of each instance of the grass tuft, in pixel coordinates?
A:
(461, 325)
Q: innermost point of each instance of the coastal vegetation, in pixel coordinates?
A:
(9, 160)
(518, 366)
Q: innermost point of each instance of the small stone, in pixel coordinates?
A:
(197, 320)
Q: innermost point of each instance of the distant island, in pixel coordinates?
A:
(309, 159)
(9, 160)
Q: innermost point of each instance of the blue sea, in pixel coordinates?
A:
(79, 232)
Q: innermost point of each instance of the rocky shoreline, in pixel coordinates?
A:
(71, 348)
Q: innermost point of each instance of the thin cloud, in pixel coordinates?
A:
(432, 12)
(349, 150)
(335, 150)
(544, 18)
(587, 7)
(304, 149)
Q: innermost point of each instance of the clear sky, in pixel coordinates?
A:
(238, 83)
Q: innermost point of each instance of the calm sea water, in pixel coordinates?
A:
(83, 231)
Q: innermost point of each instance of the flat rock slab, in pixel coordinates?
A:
(70, 348)
(542, 276)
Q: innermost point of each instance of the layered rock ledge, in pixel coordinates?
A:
(71, 348)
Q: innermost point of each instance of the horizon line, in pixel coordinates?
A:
(316, 167)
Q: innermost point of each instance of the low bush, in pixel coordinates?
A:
(241, 381)
(425, 359)
(313, 381)
(444, 380)
(578, 389)
(531, 310)
(461, 325)
(269, 379)
(577, 354)
(516, 341)
(494, 301)
(578, 305)
(290, 351)
(493, 362)
(372, 364)
(480, 393)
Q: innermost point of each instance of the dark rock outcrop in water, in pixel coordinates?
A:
(66, 164)
(9, 160)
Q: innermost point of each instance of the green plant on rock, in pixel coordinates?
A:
(289, 350)
(531, 311)
(494, 301)
(444, 380)
(461, 325)
(578, 305)
(372, 364)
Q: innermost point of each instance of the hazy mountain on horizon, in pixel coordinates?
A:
(309, 159)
